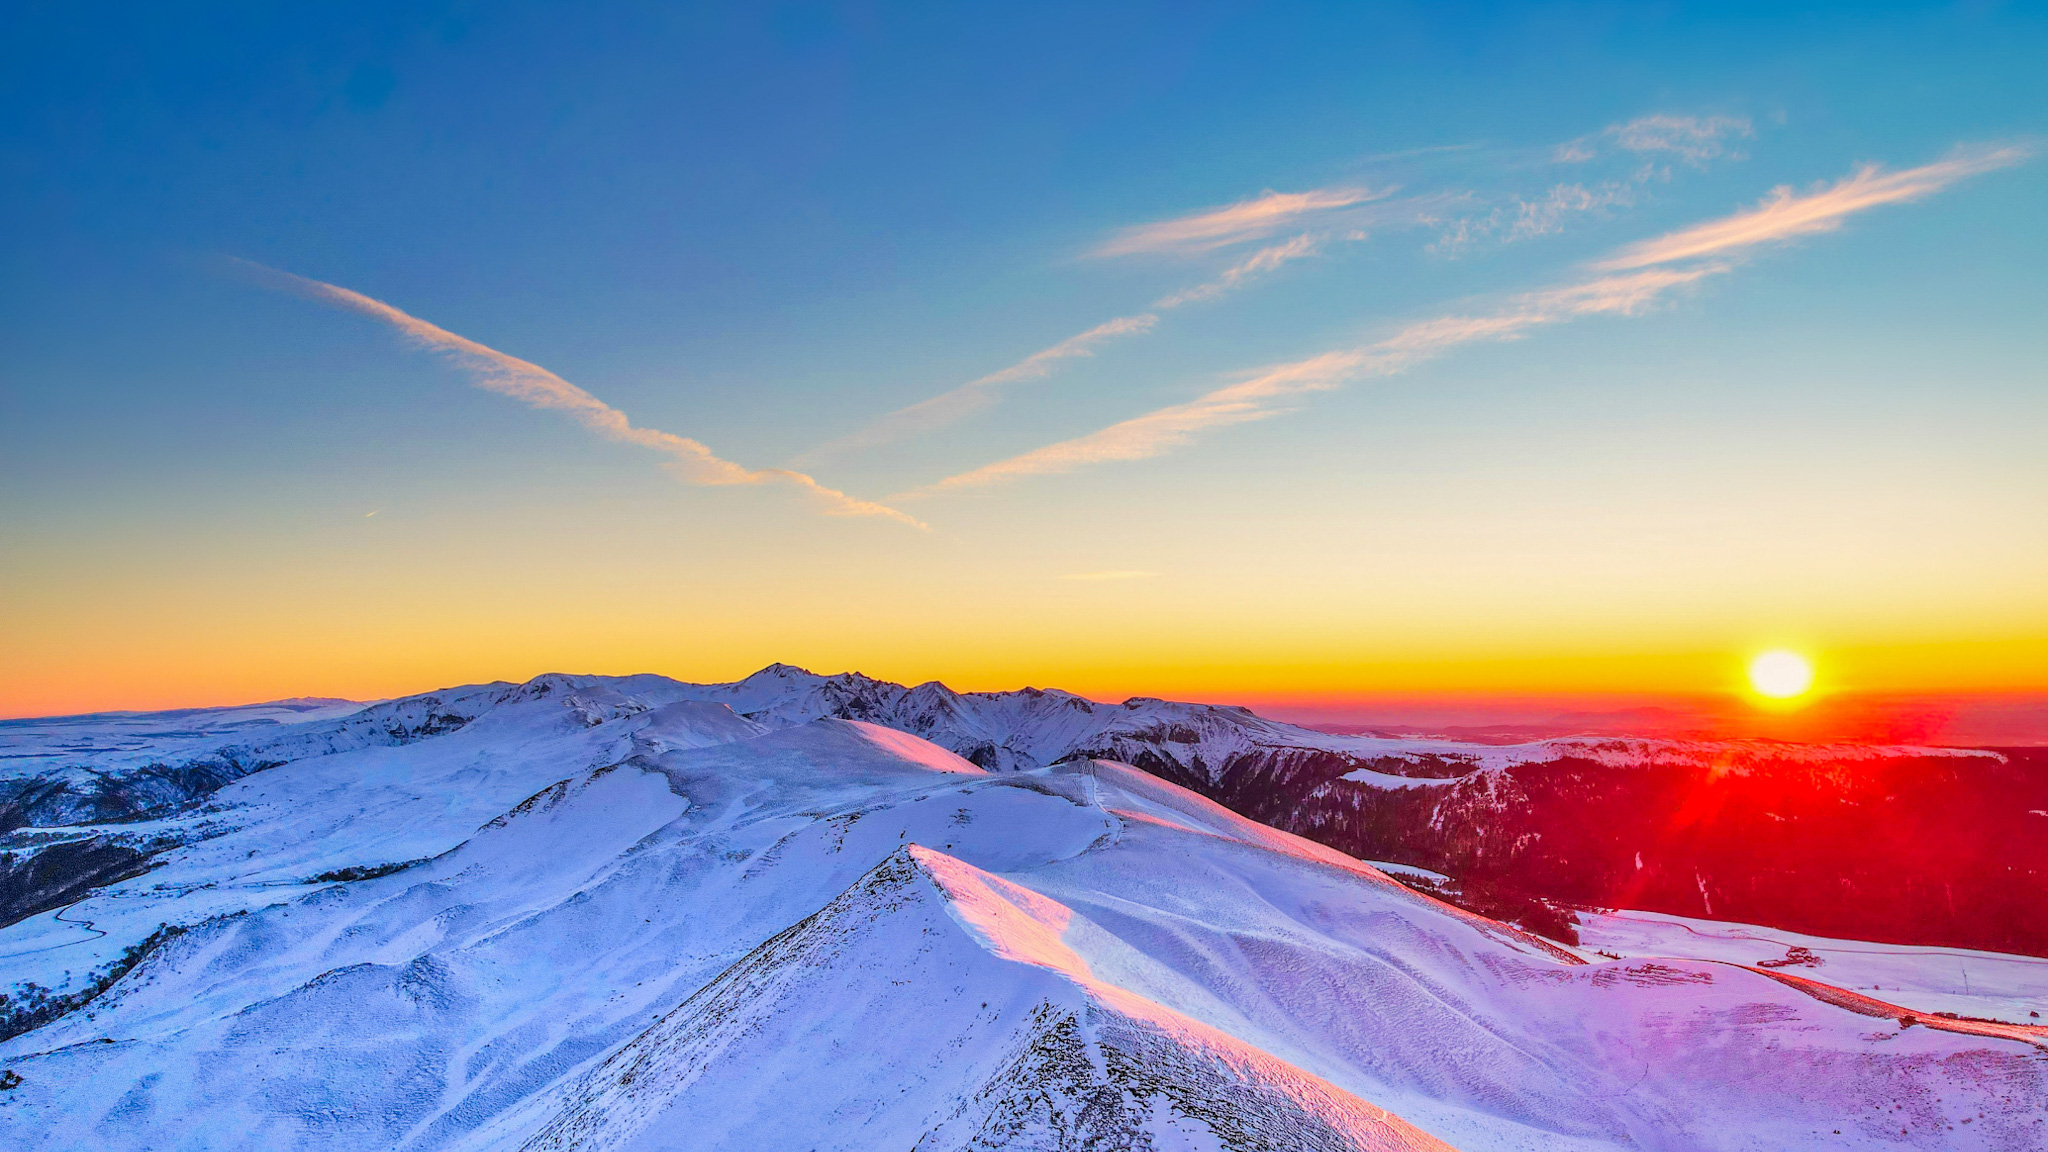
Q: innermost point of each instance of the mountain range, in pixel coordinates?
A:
(802, 911)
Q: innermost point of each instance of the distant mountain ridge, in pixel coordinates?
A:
(1807, 837)
(48, 780)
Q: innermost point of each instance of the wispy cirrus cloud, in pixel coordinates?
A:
(1235, 276)
(936, 412)
(1325, 213)
(1647, 140)
(1692, 139)
(1159, 430)
(1629, 283)
(1253, 219)
(1786, 214)
(1521, 219)
(1329, 214)
(933, 413)
(1278, 389)
(689, 460)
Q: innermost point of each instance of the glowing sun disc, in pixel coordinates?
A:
(1780, 675)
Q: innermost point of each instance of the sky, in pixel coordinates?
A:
(1339, 359)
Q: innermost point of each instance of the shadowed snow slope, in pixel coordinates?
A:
(621, 915)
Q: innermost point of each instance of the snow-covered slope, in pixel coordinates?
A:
(639, 915)
(71, 769)
(68, 769)
(1958, 981)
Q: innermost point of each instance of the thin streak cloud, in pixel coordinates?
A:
(1264, 260)
(936, 412)
(1631, 284)
(1785, 214)
(1693, 139)
(1277, 390)
(492, 370)
(958, 403)
(1234, 223)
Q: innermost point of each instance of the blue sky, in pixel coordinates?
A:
(766, 230)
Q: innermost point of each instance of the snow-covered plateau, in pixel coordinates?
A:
(808, 913)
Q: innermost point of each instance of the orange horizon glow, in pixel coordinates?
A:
(1705, 683)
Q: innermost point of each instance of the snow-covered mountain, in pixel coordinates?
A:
(628, 913)
(1808, 837)
(70, 770)
(1034, 727)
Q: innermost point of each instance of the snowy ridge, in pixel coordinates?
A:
(73, 770)
(1043, 1056)
(1032, 727)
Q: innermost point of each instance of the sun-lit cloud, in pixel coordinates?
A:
(1785, 214)
(1328, 214)
(1628, 284)
(1646, 141)
(1547, 214)
(933, 413)
(1264, 260)
(495, 371)
(1253, 219)
(1157, 431)
(1693, 139)
(1278, 389)
(1521, 219)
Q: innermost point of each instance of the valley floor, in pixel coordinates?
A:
(1989, 985)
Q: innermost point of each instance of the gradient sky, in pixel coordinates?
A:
(1225, 351)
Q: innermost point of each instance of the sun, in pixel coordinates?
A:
(1781, 675)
